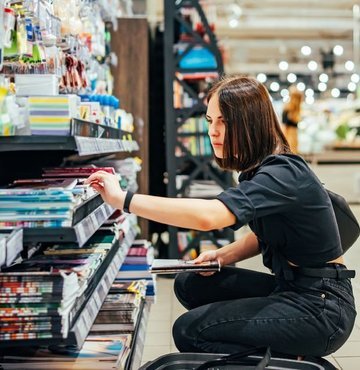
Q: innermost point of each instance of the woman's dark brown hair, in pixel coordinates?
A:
(252, 128)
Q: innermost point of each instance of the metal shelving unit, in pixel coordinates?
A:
(86, 138)
(138, 341)
(23, 157)
(86, 308)
(202, 165)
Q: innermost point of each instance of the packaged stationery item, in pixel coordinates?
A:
(52, 115)
(35, 84)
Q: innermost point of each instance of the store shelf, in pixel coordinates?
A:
(336, 156)
(84, 312)
(196, 70)
(195, 109)
(78, 233)
(87, 139)
(83, 145)
(197, 166)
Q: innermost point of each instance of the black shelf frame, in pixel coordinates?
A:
(175, 117)
(86, 138)
(133, 361)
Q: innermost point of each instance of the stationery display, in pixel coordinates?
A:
(40, 296)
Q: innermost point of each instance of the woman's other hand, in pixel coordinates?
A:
(208, 256)
(109, 188)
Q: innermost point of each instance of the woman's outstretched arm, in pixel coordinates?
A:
(197, 214)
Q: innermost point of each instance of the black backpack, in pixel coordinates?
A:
(349, 228)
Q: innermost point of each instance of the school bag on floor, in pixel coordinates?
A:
(237, 361)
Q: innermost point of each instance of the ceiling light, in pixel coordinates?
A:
(306, 50)
(291, 77)
(283, 65)
(335, 92)
(286, 99)
(352, 86)
(355, 78)
(323, 77)
(338, 50)
(350, 97)
(349, 65)
(322, 86)
(274, 86)
(261, 77)
(309, 92)
(284, 92)
(301, 86)
(233, 23)
(312, 65)
(309, 100)
(236, 10)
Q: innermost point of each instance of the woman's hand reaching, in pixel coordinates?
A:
(209, 256)
(109, 188)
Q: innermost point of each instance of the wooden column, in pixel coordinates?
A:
(130, 42)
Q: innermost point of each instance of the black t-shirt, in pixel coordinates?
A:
(288, 208)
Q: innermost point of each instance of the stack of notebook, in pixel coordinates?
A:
(36, 208)
(119, 312)
(137, 266)
(36, 304)
(40, 296)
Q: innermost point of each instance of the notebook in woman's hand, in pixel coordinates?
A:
(168, 266)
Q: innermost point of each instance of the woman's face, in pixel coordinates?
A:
(216, 128)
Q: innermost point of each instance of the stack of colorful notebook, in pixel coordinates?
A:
(40, 296)
(36, 208)
(120, 311)
(137, 266)
(51, 115)
(36, 304)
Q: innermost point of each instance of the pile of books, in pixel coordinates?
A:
(39, 296)
(50, 201)
(137, 266)
(36, 208)
(74, 172)
(36, 305)
(121, 309)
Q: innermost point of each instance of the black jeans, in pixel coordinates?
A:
(237, 309)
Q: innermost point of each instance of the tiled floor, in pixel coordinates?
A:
(167, 308)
